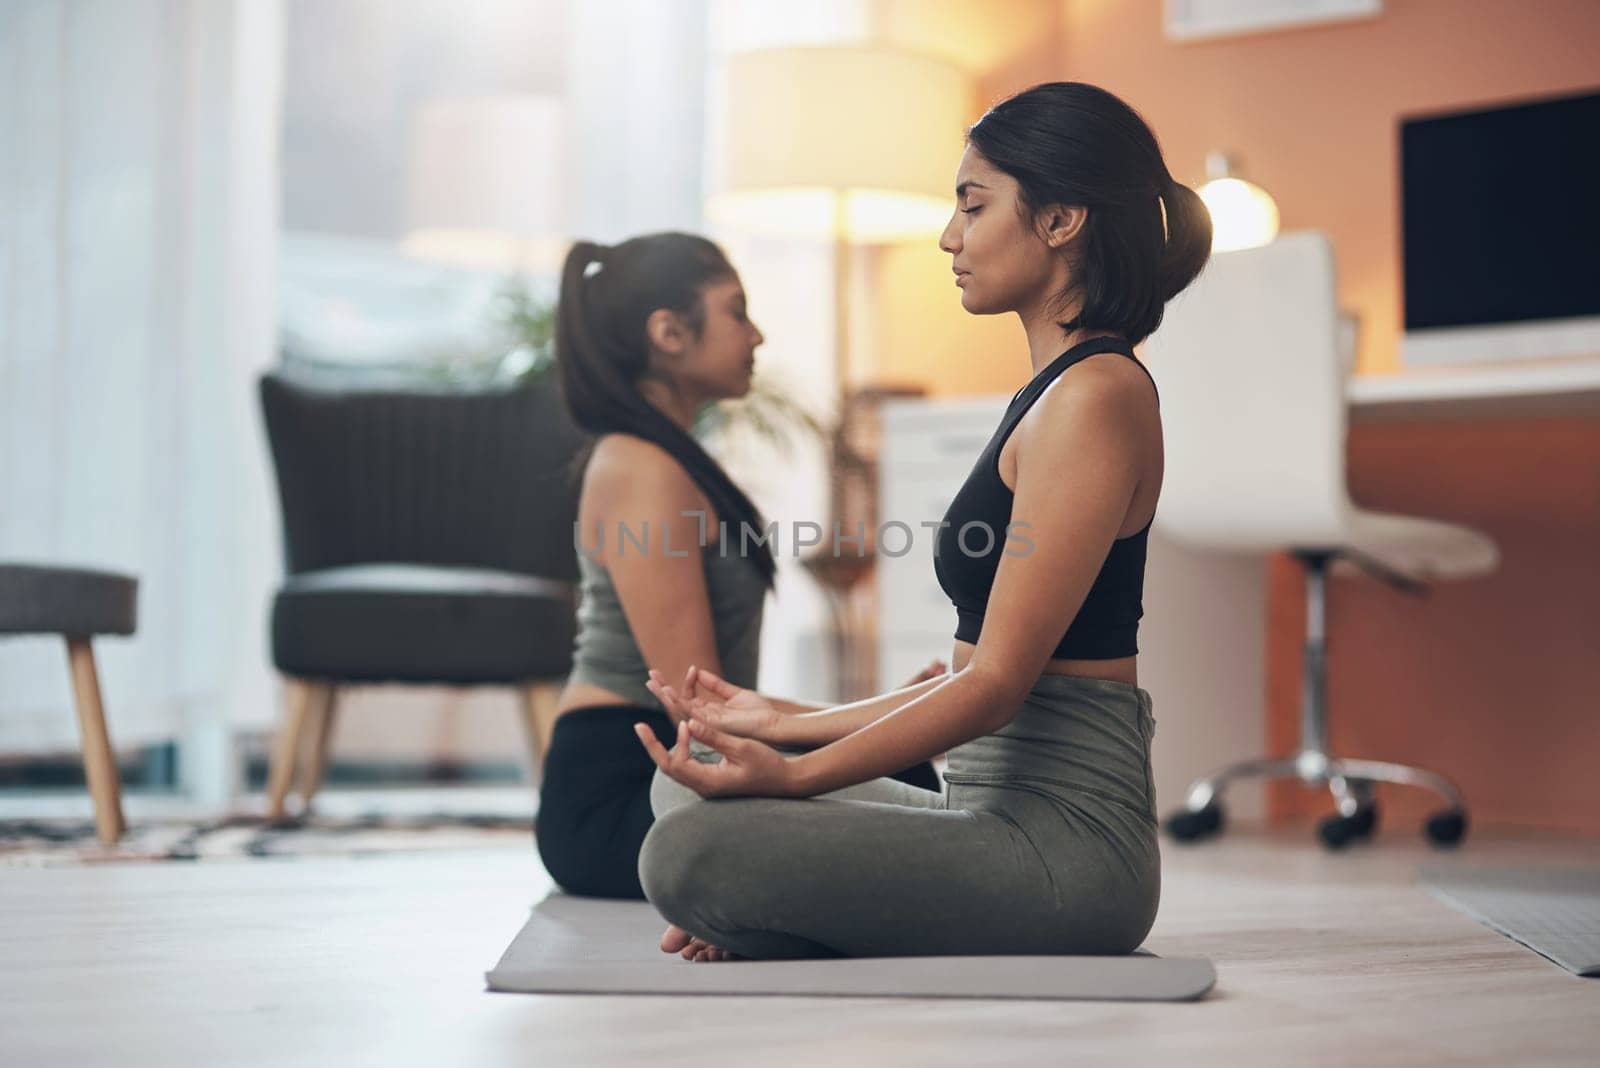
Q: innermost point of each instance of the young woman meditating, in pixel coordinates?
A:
(1046, 838)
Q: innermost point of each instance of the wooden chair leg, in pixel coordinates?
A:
(286, 749)
(319, 733)
(99, 762)
(539, 700)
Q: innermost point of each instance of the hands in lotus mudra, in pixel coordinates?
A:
(730, 719)
(719, 703)
(738, 723)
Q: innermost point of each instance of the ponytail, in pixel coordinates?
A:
(1188, 244)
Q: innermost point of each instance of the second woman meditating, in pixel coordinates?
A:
(648, 332)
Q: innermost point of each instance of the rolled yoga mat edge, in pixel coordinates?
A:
(1553, 911)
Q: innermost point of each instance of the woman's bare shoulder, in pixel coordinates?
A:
(623, 466)
(1103, 407)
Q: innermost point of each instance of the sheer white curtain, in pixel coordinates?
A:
(636, 80)
(138, 207)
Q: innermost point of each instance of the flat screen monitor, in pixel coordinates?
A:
(1500, 232)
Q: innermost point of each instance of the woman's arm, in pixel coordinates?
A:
(1086, 439)
(936, 669)
(711, 699)
(793, 708)
(822, 724)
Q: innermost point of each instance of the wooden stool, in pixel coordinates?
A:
(77, 604)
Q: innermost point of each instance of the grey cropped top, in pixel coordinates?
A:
(605, 653)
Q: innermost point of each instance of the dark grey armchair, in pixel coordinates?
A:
(428, 539)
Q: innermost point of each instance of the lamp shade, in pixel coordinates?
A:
(860, 143)
(485, 182)
(1243, 215)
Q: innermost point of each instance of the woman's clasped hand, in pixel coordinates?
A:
(730, 720)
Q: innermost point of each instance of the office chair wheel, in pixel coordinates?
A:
(1191, 825)
(1446, 828)
(1338, 831)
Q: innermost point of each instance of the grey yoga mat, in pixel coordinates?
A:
(576, 945)
(1552, 911)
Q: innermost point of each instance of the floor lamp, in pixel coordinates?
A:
(853, 145)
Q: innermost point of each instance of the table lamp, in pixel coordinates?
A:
(1243, 215)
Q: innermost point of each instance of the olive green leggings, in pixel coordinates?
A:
(1044, 841)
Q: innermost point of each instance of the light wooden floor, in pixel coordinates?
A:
(1322, 959)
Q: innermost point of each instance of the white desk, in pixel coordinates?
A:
(1526, 388)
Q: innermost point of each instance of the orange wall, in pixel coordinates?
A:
(1495, 681)
(1312, 112)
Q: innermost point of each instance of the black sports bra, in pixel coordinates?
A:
(974, 535)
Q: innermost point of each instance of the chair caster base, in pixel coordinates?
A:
(1192, 825)
(1445, 829)
(1338, 831)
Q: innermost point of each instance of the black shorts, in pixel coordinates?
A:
(594, 802)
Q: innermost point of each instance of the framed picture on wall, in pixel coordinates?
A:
(1196, 20)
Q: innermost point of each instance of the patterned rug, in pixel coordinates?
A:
(49, 843)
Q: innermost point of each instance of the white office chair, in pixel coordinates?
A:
(1253, 414)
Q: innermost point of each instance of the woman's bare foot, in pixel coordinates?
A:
(677, 940)
(704, 951)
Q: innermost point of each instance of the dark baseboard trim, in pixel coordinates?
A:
(152, 767)
(400, 772)
(155, 767)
